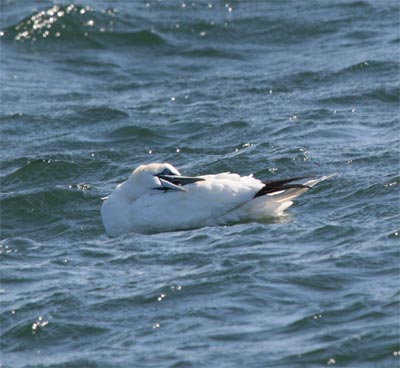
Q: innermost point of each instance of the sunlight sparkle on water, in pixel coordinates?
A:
(40, 323)
(44, 20)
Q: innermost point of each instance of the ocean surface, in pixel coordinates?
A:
(92, 89)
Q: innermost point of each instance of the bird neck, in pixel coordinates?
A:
(132, 190)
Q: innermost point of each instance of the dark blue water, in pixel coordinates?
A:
(91, 90)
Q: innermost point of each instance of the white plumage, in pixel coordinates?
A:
(157, 198)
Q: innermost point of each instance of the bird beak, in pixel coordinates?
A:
(176, 182)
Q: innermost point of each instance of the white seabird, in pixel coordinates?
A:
(157, 198)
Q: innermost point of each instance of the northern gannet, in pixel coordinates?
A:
(157, 198)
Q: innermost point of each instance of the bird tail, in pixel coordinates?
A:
(275, 197)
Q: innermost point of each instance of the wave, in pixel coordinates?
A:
(136, 133)
(37, 172)
(50, 195)
(311, 79)
(97, 114)
(387, 95)
(79, 25)
(51, 213)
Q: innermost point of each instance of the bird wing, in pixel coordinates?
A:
(203, 200)
(274, 198)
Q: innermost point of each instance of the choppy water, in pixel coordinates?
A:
(278, 88)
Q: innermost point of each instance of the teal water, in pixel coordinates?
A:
(91, 90)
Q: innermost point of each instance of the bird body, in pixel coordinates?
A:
(156, 198)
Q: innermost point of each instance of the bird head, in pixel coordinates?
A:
(156, 177)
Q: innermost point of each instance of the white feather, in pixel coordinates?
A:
(141, 205)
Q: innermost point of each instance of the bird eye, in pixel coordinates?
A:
(165, 172)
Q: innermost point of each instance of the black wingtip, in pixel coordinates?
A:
(278, 185)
